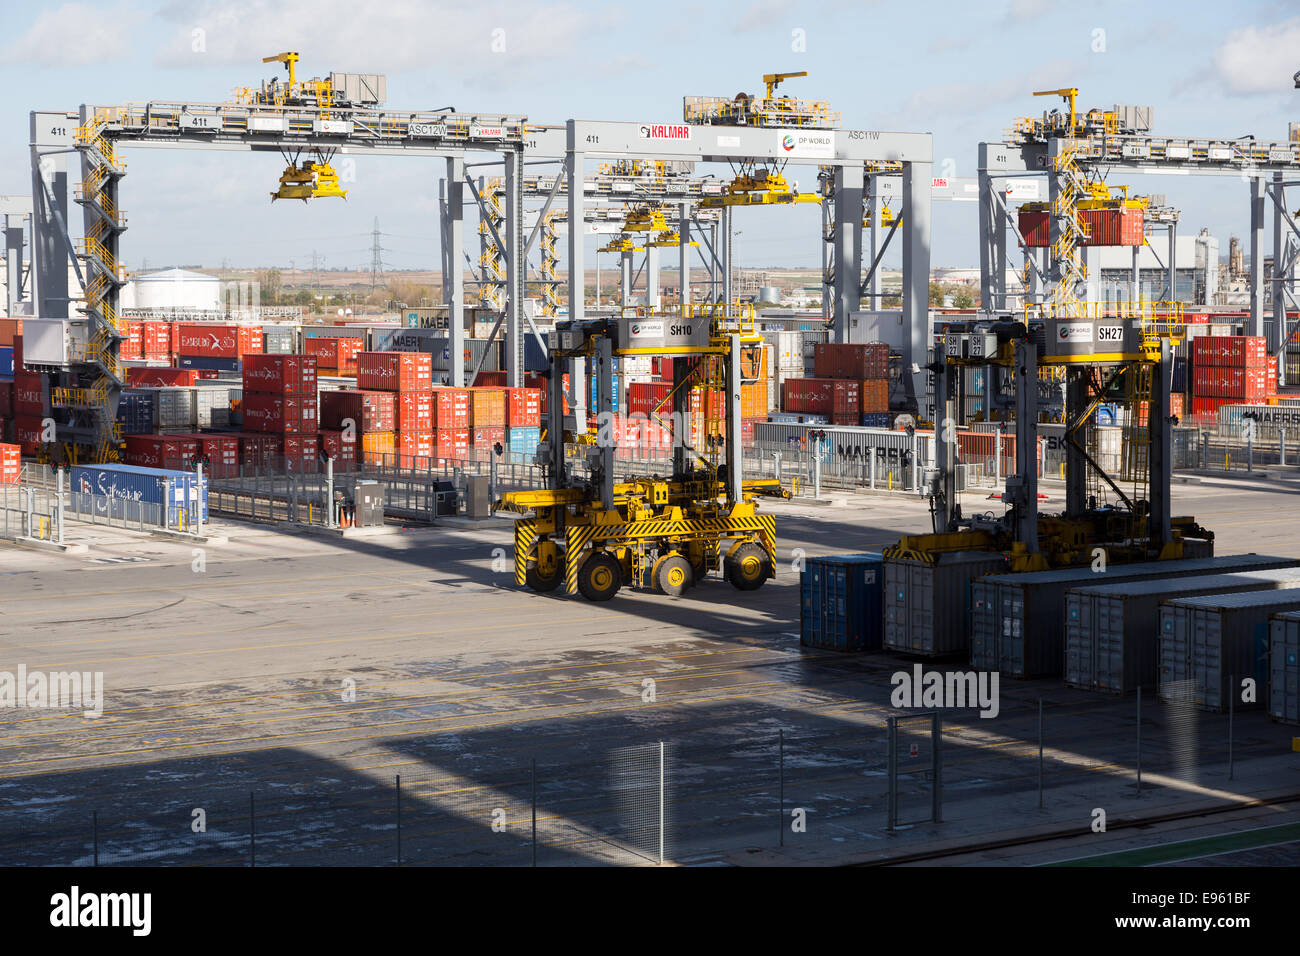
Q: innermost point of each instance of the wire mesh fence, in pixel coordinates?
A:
(657, 801)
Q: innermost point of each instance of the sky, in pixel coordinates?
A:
(959, 70)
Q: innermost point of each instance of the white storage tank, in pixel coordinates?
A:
(172, 289)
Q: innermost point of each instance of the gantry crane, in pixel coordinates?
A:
(662, 532)
(745, 109)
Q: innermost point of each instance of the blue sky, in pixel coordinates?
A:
(962, 71)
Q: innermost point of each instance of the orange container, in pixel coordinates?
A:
(378, 448)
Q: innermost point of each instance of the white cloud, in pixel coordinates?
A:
(1021, 10)
(76, 34)
(396, 36)
(965, 99)
(1254, 60)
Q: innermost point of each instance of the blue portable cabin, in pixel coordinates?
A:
(110, 490)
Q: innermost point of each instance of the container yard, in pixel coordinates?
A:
(790, 478)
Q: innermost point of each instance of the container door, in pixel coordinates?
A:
(984, 607)
(1108, 631)
(1011, 646)
(920, 610)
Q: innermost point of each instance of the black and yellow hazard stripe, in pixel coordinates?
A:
(525, 538)
(575, 539)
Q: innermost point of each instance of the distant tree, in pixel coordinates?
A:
(270, 285)
(962, 299)
(303, 297)
(936, 293)
(893, 302)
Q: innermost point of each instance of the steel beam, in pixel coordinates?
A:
(846, 294)
(453, 287)
(1255, 321)
(916, 275)
(684, 252)
(514, 255)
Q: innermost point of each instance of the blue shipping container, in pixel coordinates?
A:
(841, 602)
(127, 483)
(523, 439)
(614, 390)
(6, 359)
(1107, 415)
(877, 419)
(208, 364)
(135, 412)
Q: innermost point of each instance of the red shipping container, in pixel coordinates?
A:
(161, 451)
(1176, 404)
(255, 447)
(301, 447)
(221, 451)
(486, 436)
(825, 396)
(156, 339)
(875, 396)
(334, 443)
(6, 402)
(18, 354)
(1239, 351)
(132, 345)
(141, 377)
(280, 374)
(1104, 227)
(395, 371)
(369, 411)
(1211, 381)
(250, 340)
(450, 408)
(451, 443)
(29, 394)
(415, 412)
(27, 433)
(836, 360)
(291, 414)
(9, 329)
(645, 397)
(542, 384)
(337, 352)
(1208, 407)
(414, 449)
(1270, 375)
(11, 464)
(207, 341)
(524, 407)
(490, 380)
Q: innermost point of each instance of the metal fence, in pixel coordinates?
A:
(30, 511)
(832, 786)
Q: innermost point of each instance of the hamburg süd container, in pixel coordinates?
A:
(840, 602)
(1110, 630)
(1208, 645)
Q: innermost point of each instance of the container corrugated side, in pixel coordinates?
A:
(1110, 629)
(926, 603)
(1206, 642)
(840, 602)
(1017, 621)
(1284, 667)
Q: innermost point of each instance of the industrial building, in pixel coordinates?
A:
(640, 557)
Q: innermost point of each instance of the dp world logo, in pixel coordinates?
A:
(636, 329)
(787, 142)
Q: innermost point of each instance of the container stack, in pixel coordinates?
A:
(849, 386)
(408, 378)
(280, 399)
(487, 419)
(358, 425)
(335, 355)
(523, 421)
(1228, 369)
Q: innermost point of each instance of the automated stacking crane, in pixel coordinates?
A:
(665, 532)
(1108, 352)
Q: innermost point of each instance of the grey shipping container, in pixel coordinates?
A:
(1207, 642)
(925, 603)
(1110, 629)
(1284, 667)
(1017, 620)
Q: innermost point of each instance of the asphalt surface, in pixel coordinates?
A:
(276, 687)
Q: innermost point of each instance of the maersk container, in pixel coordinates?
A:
(840, 602)
(1110, 629)
(1284, 667)
(120, 484)
(925, 603)
(1207, 641)
(1017, 621)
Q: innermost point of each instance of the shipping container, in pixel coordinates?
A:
(450, 409)
(1110, 630)
(926, 602)
(367, 411)
(523, 440)
(1284, 667)
(414, 413)
(107, 488)
(394, 371)
(208, 341)
(1207, 642)
(280, 374)
(825, 396)
(279, 339)
(146, 377)
(290, 414)
(336, 352)
(379, 448)
(840, 602)
(259, 449)
(524, 407)
(11, 464)
(1211, 381)
(451, 443)
(839, 360)
(336, 443)
(1231, 351)
(137, 411)
(1102, 227)
(487, 408)
(160, 451)
(7, 361)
